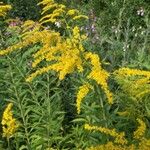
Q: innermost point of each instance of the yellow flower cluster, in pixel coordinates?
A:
(62, 54)
(123, 113)
(72, 12)
(132, 72)
(135, 83)
(119, 137)
(4, 9)
(99, 75)
(9, 124)
(31, 39)
(29, 27)
(30, 35)
(144, 144)
(112, 146)
(58, 12)
(79, 17)
(139, 133)
(83, 91)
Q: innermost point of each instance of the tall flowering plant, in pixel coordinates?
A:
(64, 54)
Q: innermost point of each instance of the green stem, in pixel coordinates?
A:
(22, 75)
(21, 110)
(1, 36)
(102, 105)
(48, 110)
(125, 51)
(120, 20)
(103, 110)
(8, 141)
(67, 25)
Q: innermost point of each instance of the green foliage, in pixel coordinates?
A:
(24, 9)
(118, 33)
(46, 108)
(110, 11)
(37, 106)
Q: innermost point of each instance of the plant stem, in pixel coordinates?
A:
(103, 110)
(21, 110)
(48, 109)
(22, 75)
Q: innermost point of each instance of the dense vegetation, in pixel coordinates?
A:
(75, 75)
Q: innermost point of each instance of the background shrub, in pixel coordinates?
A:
(24, 9)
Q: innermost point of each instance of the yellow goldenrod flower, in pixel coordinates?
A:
(30, 39)
(72, 12)
(132, 72)
(112, 146)
(45, 2)
(76, 32)
(79, 17)
(48, 7)
(139, 133)
(69, 50)
(124, 113)
(9, 124)
(29, 27)
(134, 82)
(83, 91)
(4, 9)
(99, 75)
(119, 137)
(144, 144)
(57, 11)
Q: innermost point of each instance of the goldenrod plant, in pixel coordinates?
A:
(120, 142)
(3, 9)
(62, 54)
(134, 82)
(9, 124)
(64, 93)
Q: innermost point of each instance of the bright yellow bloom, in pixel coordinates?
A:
(99, 75)
(29, 27)
(65, 54)
(119, 137)
(139, 133)
(9, 124)
(132, 72)
(4, 9)
(124, 113)
(57, 11)
(45, 2)
(83, 91)
(66, 63)
(32, 39)
(112, 146)
(79, 17)
(76, 32)
(144, 144)
(72, 12)
(134, 82)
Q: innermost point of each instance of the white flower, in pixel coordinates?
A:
(140, 12)
(58, 24)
